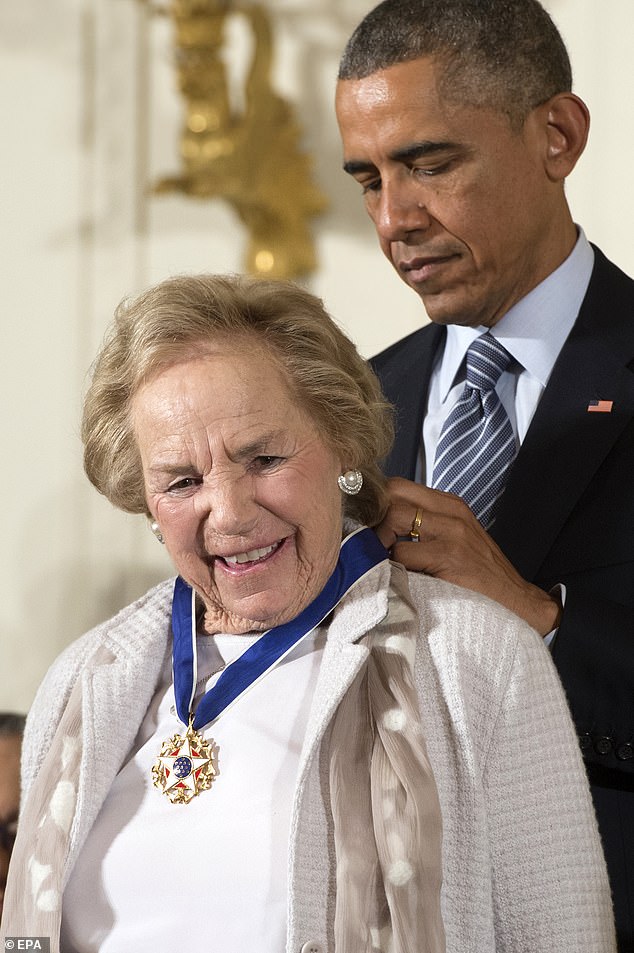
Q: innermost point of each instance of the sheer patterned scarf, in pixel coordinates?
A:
(33, 901)
(385, 807)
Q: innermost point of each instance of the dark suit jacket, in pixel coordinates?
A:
(567, 516)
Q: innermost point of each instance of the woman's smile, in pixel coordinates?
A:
(242, 562)
(242, 486)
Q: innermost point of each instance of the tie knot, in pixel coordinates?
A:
(486, 360)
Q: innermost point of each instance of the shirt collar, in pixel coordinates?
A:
(535, 329)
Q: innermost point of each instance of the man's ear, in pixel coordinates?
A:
(566, 124)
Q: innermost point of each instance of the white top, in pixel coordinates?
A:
(124, 887)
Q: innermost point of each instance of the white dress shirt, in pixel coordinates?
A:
(533, 332)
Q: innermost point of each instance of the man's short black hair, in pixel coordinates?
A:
(502, 54)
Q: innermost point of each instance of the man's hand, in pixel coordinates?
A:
(453, 546)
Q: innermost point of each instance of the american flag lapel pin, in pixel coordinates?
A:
(600, 407)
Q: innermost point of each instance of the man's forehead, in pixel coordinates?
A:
(412, 126)
(407, 100)
(425, 87)
(409, 79)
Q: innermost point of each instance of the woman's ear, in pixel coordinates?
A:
(567, 122)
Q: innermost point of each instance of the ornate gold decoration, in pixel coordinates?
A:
(185, 766)
(252, 160)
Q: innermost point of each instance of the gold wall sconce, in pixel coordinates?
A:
(251, 158)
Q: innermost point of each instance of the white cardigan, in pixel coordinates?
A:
(522, 862)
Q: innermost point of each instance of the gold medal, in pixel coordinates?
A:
(185, 766)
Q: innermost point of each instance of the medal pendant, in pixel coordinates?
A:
(185, 766)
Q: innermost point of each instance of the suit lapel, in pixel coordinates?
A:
(566, 444)
(405, 380)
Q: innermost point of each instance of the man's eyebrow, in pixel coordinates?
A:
(419, 150)
(416, 150)
(356, 167)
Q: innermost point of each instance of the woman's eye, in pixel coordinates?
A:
(265, 462)
(186, 483)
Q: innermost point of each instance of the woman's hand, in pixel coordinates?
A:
(453, 546)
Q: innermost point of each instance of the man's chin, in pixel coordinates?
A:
(440, 311)
(444, 308)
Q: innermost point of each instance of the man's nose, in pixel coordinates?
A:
(401, 210)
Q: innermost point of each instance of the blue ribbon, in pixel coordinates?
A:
(359, 553)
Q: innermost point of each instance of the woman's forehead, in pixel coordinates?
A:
(225, 391)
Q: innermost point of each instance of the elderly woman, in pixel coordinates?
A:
(295, 745)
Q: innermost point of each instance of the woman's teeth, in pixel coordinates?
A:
(252, 556)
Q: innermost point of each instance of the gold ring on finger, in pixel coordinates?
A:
(414, 533)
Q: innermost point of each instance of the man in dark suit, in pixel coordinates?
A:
(458, 121)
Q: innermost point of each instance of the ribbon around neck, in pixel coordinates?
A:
(360, 552)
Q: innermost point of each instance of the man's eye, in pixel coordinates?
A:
(429, 171)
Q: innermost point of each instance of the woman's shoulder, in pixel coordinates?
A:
(117, 631)
(123, 633)
(465, 614)
(471, 637)
(478, 665)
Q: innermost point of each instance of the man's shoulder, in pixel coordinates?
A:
(605, 267)
(608, 278)
(607, 311)
(409, 348)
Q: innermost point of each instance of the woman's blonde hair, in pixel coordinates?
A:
(178, 319)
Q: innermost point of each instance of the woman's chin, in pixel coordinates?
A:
(267, 593)
(243, 620)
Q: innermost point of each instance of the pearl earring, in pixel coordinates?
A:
(156, 529)
(350, 482)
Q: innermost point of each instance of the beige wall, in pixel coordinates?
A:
(80, 142)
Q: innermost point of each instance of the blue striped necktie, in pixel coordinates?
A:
(477, 444)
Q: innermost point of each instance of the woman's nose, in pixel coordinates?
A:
(229, 506)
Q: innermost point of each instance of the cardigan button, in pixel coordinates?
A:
(603, 745)
(585, 741)
(313, 946)
(625, 751)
